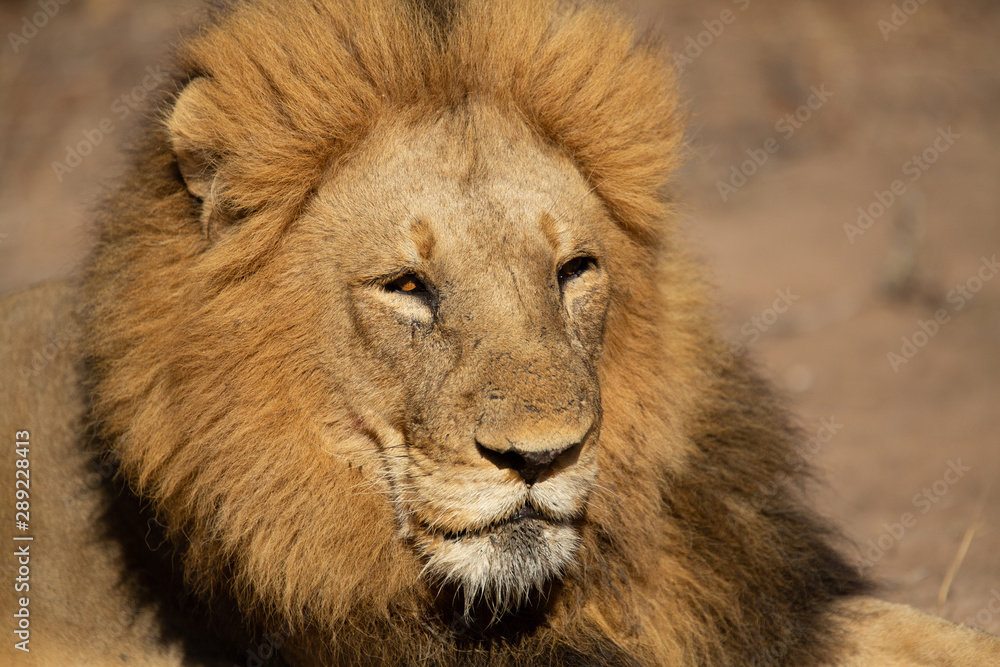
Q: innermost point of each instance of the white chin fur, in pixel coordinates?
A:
(503, 566)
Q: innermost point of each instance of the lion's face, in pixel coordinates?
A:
(469, 285)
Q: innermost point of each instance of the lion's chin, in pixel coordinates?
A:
(504, 564)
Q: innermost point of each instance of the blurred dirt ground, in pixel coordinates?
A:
(911, 454)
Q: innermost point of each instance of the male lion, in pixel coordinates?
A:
(385, 355)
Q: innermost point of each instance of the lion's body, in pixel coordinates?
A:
(386, 338)
(79, 612)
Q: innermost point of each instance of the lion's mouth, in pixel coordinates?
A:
(503, 559)
(526, 513)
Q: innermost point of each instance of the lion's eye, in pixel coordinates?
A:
(576, 267)
(407, 284)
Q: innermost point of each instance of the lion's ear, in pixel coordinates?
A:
(190, 126)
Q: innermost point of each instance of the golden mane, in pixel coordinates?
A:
(289, 101)
(204, 386)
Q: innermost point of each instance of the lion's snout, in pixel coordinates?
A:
(538, 455)
(538, 408)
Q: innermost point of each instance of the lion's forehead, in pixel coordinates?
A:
(476, 183)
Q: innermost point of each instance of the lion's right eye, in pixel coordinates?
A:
(575, 267)
(407, 284)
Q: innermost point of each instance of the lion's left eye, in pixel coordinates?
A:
(407, 284)
(576, 267)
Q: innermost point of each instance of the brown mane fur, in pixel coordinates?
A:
(204, 382)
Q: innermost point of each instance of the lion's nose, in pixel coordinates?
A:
(528, 462)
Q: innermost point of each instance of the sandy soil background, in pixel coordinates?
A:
(909, 445)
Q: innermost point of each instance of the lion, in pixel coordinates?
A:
(387, 355)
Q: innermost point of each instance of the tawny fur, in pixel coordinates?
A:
(221, 377)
